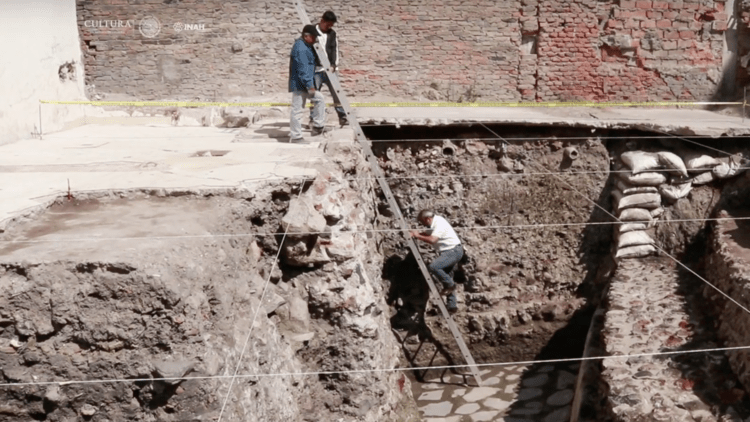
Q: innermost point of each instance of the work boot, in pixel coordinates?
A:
(343, 121)
(315, 131)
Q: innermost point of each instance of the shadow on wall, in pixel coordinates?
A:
(735, 76)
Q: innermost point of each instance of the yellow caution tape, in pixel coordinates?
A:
(399, 104)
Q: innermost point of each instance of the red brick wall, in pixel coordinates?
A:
(515, 50)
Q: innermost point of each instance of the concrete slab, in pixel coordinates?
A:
(114, 157)
(675, 121)
(120, 230)
(118, 156)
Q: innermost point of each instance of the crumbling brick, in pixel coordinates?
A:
(422, 40)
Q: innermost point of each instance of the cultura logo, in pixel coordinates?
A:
(149, 27)
(102, 23)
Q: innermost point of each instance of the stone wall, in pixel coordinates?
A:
(42, 59)
(514, 50)
(729, 272)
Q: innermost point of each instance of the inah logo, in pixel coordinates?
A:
(149, 26)
(179, 26)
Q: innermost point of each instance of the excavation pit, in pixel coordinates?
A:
(539, 259)
(168, 284)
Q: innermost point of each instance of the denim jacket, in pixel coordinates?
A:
(301, 66)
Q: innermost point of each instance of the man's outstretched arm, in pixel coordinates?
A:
(424, 237)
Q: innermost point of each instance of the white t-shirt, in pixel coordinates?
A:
(323, 39)
(447, 237)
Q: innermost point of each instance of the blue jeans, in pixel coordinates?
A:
(447, 260)
(320, 79)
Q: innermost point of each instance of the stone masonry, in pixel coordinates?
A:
(730, 273)
(513, 50)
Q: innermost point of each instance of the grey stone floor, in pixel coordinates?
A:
(514, 393)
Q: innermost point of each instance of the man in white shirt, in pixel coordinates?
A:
(329, 42)
(450, 251)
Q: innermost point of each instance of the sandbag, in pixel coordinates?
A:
(635, 251)
(698, 163)
(630, 190)
(639, 161)
(644, 179)
(629, 227)
(635, 214)
(634, 238)
(703, 178)
(729, 167)
(677, 191)
(640, 200)
(673, 163)
(616, 198)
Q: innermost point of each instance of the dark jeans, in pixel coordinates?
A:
(447, 260)
(319, 80)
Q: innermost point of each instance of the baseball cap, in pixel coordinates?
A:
(310, 29)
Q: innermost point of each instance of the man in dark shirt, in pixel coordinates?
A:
(328, 40)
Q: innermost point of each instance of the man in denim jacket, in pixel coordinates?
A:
(302, 86)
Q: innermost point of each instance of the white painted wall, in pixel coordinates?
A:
(36, 38)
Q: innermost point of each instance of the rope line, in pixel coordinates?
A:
(660, 249)
(531, 138)
(448, 176)
(458, 228)
(376, 370)
(696, 143)
(398, 104)
(257, 311)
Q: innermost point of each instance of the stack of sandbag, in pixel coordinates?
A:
(636, 202)
(650, 177)
(705, 169)
(638, 198)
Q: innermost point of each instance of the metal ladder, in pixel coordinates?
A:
(378, 174)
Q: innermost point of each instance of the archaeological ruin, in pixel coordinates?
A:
(167, 253)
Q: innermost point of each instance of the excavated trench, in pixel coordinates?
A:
(155, 284)
(528, 278)
(531, 284)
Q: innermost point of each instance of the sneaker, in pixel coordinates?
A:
(315, 131)
(299, 141)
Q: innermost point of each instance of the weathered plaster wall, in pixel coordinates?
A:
(512, 50)
(41, 59)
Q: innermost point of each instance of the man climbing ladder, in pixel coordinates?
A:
(450, 251)
(380, 177)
